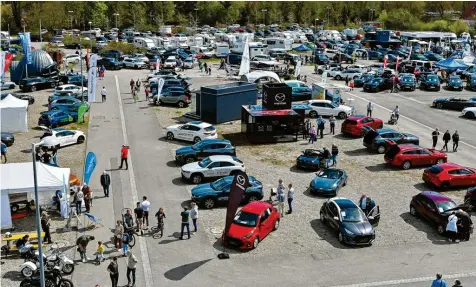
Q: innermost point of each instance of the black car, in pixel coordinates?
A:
(471, 82)
(454, 103)
(204, 149)
(109, 63)
(30, 99)
(430, 82)
(343, 58)
(7, 138)
(377, 84)
(365, 78)
(454, 83)
(38, 83)
(73, 80)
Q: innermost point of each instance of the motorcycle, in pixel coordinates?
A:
(53, 278)
(393, 119)
(56, 259)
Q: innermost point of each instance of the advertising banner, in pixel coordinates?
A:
(8, 61)
(238, 187)
(157, 65)
(92, 78)
(245, 60)
(26, 44)
(277, 96)
(89, 166)
(298, 69)
(2, 64)
(160, 85)
(81, 111)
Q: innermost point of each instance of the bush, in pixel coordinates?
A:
(126, 48)
(459, 27)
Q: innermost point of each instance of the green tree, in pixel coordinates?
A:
(459, 27)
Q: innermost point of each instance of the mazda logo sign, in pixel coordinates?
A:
(240, 179)
(265, 97)
(280, 97)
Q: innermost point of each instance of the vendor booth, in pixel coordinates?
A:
(14, 116)
(327, 91)
(17, 182)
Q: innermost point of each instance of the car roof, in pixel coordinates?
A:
(343, 202)
(381, 131)
(199, 124)
(66, 97)
(256, 207)
(216, 141)
(436, 196)
(67, 85)
(357, 117)
(319, 101)
(449, 165)
(221, 157)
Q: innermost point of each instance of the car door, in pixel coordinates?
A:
(433, 213)
(205, 151)
(425, 157)
(412, 156)
(467, 177)
(374, 215)
(225, 168)
(420, 204)
(333, 215)
(266, 223)
(60, 136)
(68, 137)
(183, 132)
(212, 169)
(224, 194)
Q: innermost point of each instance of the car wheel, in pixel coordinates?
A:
(445, 185)
(440, 229)
(33, 88)
(381, 149)
(209, 203)
(341, 237)
(328, 74)
(276, 225)
(406, 164)
(189, 159)
(14, 207)
(135, 67)
(322, 218)
(342, 115)
(413, 211)
(27, 272)
(252, 198)
(80, 139)
(196, 139)
(313, 114)
(255, 242)
(439, 105)
(197, 178)
(471, 115)
(52, 85)
(338, 77)
(12, 87)
(170, 136)
(440, 161)
(181, 104)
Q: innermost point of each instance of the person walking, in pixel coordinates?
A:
(332, 123)
(209, 70)
(321, 125)
(139, 213)
(313, 136)
(45, 226)
(131, 268)
(326, 156)
(124, 156)
(103, 94)
(438, 282)
(118, 235)
(4, 152)
(145, 206)
(82, 244)
(351, 84)
(126, 238)
(281, 197)
(347, 81)
(88, 197)
(105, 183)
(160, 215)
(452, 227)
(205, 66)
(185, 214)
(455, 139)
(100, 253)
(446, 139)
(79, 197)
(370, 107)
(194, 216)
(290, 198)
(131, 83)
(113, 270)
(138, 85)
(434, 136)
(334, 153)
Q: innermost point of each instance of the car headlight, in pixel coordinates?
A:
(249, 235)
(185, 171)
(334, 185)
(348, 231)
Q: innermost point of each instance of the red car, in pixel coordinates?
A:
(408, 155)
(251, 225)
(449, 175)
(354, 125)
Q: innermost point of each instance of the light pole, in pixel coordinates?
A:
(371, 11)
(71, 20)
(315, 25)
(264, 15)
(117, 15)
(90, 37)
(328, 16)
(37, 209)
(196, 18)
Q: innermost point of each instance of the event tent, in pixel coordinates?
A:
(14, 114)
(467, 57)
(302, 48)
(18, 178)
(451, 64)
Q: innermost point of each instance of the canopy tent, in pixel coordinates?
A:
(451, 64)
(14, 114)
(310, 45)
(302, 48)
(18, 178)
(467, 57)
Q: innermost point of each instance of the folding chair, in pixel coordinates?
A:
(93, 221)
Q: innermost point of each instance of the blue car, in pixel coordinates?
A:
(430, 82)
(454, 83)
(381, 140)
(328, 182)
(209, 195)
(203, 149)
(360, 81)
(58, 103)
(471, 82)
(407, 82)
(300, 90)
(374, 55)
(310, 159)
(56, 118)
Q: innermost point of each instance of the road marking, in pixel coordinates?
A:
(407, 281)
(410, 99)
(412, 120)
(142, 243)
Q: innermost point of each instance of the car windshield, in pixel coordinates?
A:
(209, 129)
(445, 206)
(408, 79)
(198, 145)
(329, 173)
(456, 80)
(432, 78)
(246, 219)
(219, 184)
(205, 162)
(352, 214)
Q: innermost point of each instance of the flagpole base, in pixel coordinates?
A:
(223, 255)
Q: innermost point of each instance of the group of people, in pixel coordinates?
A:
(203, 66)
(312, 132)
(439, 282)
(459, 225)
(446, 139)
(282, 196)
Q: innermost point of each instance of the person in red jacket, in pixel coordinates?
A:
(124, 156)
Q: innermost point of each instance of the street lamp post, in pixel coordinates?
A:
(372, 14)
(117, 15)
(196, 18)
(328, 16)
(90, 37)
(315, 25)
(264, 15)
(71, 20)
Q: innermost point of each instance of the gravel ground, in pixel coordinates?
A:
(390, 188)
(20, 151)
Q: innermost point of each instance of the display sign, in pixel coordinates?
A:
(277, 96)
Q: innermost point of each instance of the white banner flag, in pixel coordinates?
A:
(157, 65)
(159, 88)
(92, 78)
(324, 77)
(2, 63)
(298, 69)
(245, 60)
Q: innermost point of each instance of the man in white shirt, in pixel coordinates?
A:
(290, 198)
(145, 206)
(103, 94)
(370, 107)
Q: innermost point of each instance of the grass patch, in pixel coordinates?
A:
(82, 126)
(212, 61)
(157, 109)
(275, 161)
(179, 113)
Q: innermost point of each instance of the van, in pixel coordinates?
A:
(233, 59)
(222, 50)
(144, 43)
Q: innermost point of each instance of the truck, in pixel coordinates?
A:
(140, 42)
(278, 43)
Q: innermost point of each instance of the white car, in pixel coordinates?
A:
(327, 108)
(190, 63)
(73, 58)
(101, 43)
(133, 63)
(59, 137)
(212, 167)
(66, 89)
(192, 132)
(332, 72)
(348, 73)
(469, 112)
(7, 85)
(142, 57)
(261, 61)
(57, 43)
(171, 62)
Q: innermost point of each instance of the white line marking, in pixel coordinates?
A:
(142, 243)
(412, 120)
(410, 99)
(406, 281)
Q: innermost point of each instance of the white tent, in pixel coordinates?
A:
(18, 178)
(14, 114)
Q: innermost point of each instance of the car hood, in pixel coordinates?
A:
(411, 136)
(184, 150)
(191, 166)
(239, 231)
(324, 183)
(307, 158)
(267, 62)
(407, 82)
(358, 228)
(441, 100)
(345, 108)
(50, 141)
(202, 189)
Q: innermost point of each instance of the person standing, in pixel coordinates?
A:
(139, 213)
(455, 138)
(347, 81)
(351, 84)
(434, 136)
(290, 198)
(113, 269)
(103, 94)
(88, 197)
(205, 66)
(281, 197)
(466, 221)
(131, 268)
(194, 216)
(312, 135)
(82, 244)
(4, 152)
(457, 283)
(320, 126)
(105, 183)
(438, 282)
(332, 123)
(209, 70)
(124, 156)
(145, 206)
(326, 156)
(364, 203)
(118, 235)
(185, 214)
(446, 139)
(100, 253)
(79, 200)
(131, 83)
(125, 243)
(146, 90)
(451, 227)
(45, 226)
(334, 153)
